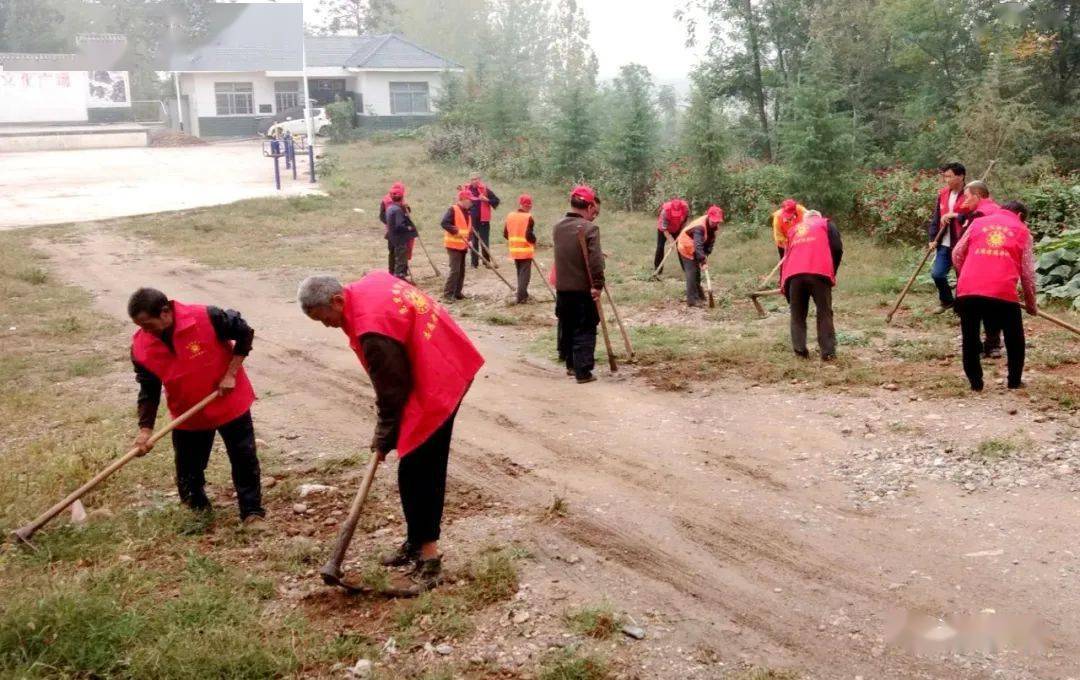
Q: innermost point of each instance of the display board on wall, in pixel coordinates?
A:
(43, 96)
(109, 89)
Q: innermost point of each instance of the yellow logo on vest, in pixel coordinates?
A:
(195, 349)
(996, 239)
(406, 296)
(802, 229)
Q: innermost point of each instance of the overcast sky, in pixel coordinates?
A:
(624, 32)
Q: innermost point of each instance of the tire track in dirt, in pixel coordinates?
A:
(692, 514)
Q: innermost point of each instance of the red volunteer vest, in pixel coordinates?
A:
(480, 191)
(677, 212)
(194, 370)
(443, 359)
(995, 251)
(808, 251)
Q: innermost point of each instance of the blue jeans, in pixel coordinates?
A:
(939, 272)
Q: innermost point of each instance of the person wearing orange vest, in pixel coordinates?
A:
(789, 214)
(421, 365)
(484, 201)
(521, 238)
(994, 254)
(457, 225)
(669, 223)
(695, 243)
(812, 258)
(193, 351)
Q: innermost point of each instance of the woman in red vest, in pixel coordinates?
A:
(192, 351)
(993, 255)
(484, 201)
(520, 236)
(811, 260)
(670, 221)
(421, 364)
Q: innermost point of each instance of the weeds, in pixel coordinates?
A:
(569, 666)
(33, 275)
(995, 449)
(599, 622)
(559, 508)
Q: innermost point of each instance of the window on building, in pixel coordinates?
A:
(409, 98)
(234, 99)
(286, 94)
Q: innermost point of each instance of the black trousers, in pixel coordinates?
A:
(422, 485)
(995, 314)
(481, 231)
(389, 256)
(455, 280)
(524, 275)
(578, 319)
(399, 258)
(192, 455)
(800, 289)
(694, 293)
(661, 246)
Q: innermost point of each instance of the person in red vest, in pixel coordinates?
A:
(396, 189)
(400, 233)
(194, 350)
(811, 260)
(421, 365)
(520, 236)
(484, 201)
(695, 244)
(976, 203)
(670, 221)
(457, 225)
(993, 255)
(787, 216)
(950, 211)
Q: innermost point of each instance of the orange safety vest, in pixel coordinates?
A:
(442, 359)
(464, 226)
(782, 223)
(685, 240)
(517, 225)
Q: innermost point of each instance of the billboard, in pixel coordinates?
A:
(43, 96)
(109, 89)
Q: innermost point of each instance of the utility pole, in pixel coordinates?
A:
(303, 69)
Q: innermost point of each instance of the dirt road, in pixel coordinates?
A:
(718, 512)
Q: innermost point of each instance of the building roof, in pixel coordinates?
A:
(244, 37)
(266, 37)
(388, 51)
(20, 61)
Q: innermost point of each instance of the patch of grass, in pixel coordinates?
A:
(33, 275)
(995, 448)
(500, 320)
(88, 366)
(598, 621)
(559, 508)
(569, 666)
(66, 325)
(438, 614)
(492, 578)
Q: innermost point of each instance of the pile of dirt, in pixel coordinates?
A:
(171, 138)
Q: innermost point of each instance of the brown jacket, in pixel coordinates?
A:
(570, 273)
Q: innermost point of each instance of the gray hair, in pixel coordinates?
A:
(811, 213)
(316, 291)
(979, 188)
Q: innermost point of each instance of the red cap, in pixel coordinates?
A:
(397, 187)
(788, 206)
(584, 192)
(715, 214)
(525, 199)
(464, 195)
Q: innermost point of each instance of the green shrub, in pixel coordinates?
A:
(896, 204)
(1058, 268)
(341, 120)
(1053, 205)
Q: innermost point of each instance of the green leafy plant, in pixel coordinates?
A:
(1058, 268)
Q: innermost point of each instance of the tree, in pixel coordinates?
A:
(358, 17)
(817, 143)
(704, 146)
(455, 29)
(572, 128)
(631, 140)
(30, 26)
(667, 102)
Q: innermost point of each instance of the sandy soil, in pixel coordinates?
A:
(714, 517)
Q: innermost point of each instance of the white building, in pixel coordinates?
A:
(250, 70)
